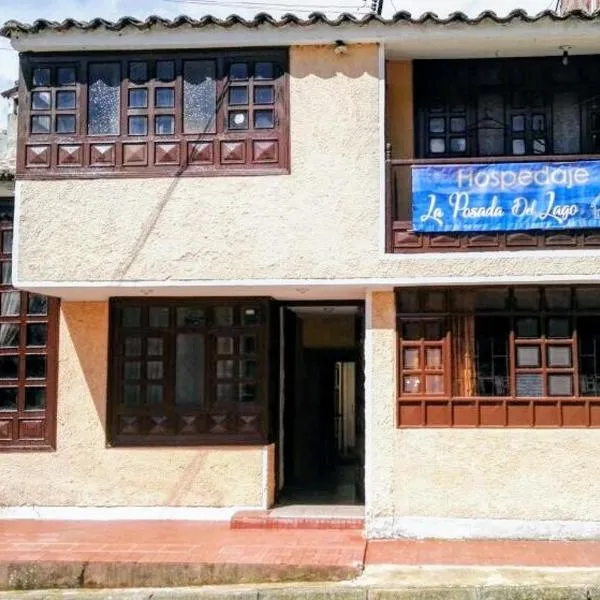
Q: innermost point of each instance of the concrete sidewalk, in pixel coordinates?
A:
(37, 555)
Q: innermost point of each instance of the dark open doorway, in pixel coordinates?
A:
(323, 410)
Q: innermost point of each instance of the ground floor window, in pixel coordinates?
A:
(499, 357)
(28, 356)
(189, 371)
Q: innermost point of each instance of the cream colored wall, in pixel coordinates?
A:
(520, 474)
(84, 472)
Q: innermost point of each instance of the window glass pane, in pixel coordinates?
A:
(437, 145)
(263, 70)
(164, 98)
(131, 316)
(158, 316)
(6, 273)
(588, 297)
(409, 302)
(35, 367)
(199, 96)
(411, 384)
(224, 316)
(37, 334)
(411, 330)
(518, 123)
(41, 77)
(10, 304)
(66, 76)
(7, 238)
(225, 369)
(41, 100)
(528, 328)
(65, 100)
(435, 301)
(264, 94)
(437, 125)
(251, 316)
(133, 370)
(458, 124)
(529, 384)
(190, 317)
(226, 393)
(559, 328)
(248, 392)
(518, 147)
(9, 335)
(558, 298)
(528, 356)
(238, 95)
(155, 346)
(410, 360)
(165, 70)
(224, 345)
(560, 385)
(40, 124)
(138, 98)
(527, 300)
(539, 146)
(189, 369)
(238, 71)
(131, 394)
(164, 125)
(154, 394)
(458, 145)
(133, 346)
(9, 367)
(238, 119)
(35, 398)
(138, 72)
(65, 123)
(154, 369)
(491, 299)
(264, 119)
(434, 384)
(249, 369)
(138, 125)
(559, 356)
(104, 98)
(433, 358)
(248, 345)
(8, 399)
(433, 331)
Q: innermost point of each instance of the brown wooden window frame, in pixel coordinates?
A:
(552, 336)
(214, 419)
(24, 423)
(219, 149)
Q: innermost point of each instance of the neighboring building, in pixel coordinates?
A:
(254, 298)
(564, 6)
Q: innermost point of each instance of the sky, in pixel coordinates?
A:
(30, 10)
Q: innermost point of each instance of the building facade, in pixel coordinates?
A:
(352, 261)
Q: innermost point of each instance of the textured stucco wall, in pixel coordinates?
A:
(83, 472)
(516, 474)
(320, 221)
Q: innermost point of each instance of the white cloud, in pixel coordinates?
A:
(30, 10)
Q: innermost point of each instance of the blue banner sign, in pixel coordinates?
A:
(506, 197)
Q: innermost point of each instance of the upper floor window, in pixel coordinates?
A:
(28, 356)
(184, 113)
(507, 107)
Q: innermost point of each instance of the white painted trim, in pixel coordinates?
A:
(122, 513)
(470, 529)
(382, 182)
(369, 403)
(265, 477)
(16, 232)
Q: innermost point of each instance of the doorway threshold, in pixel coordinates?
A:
(302, 516)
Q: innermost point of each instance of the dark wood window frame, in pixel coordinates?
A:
(220, 150)
(559, 337)
(28, 357)
(212, 419)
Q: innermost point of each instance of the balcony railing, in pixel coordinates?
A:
(401, 238)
